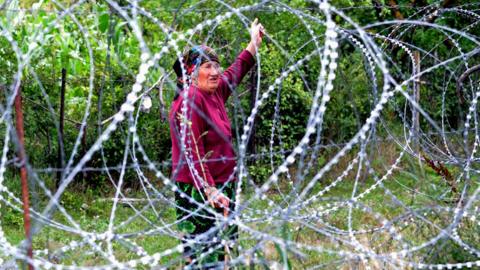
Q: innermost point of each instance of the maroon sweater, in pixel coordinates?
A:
(208, 132)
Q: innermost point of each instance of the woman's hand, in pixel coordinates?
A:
(216, 198)
(256, 34)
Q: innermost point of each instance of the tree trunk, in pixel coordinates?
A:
(61, 150)
(23, 172)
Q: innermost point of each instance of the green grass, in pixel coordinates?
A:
(93, 214)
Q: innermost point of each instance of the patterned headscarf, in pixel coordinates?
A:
(192, 59)
(195, 57)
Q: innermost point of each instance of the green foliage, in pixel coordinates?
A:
(186, 226)
(282, 250)
(115, 57)
(10, 216)
(351, 101)
(259, 172)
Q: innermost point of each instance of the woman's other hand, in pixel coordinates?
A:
(216, 198)
(256, 34)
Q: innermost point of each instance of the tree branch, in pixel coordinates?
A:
(396, 12)
(378, 8)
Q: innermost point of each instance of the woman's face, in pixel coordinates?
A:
(208, 76)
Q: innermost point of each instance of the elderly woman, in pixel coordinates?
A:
(204, 162)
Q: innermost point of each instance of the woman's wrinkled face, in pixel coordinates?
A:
(208, 76)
